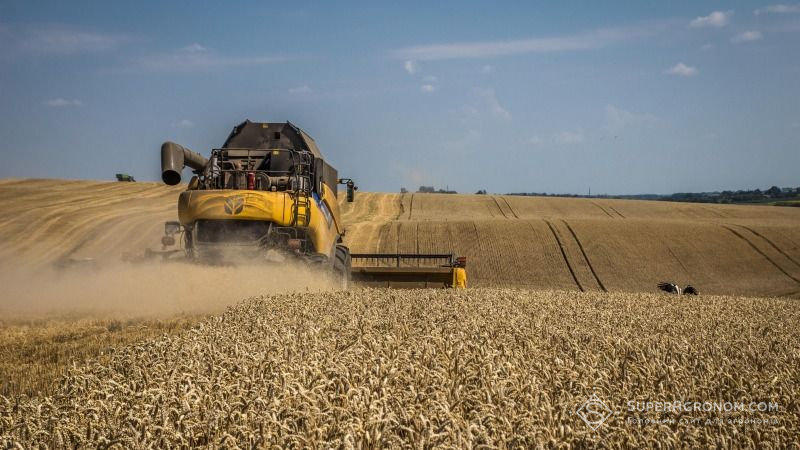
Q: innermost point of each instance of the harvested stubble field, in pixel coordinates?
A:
(380, 368)
(535, 242)
(370, 368)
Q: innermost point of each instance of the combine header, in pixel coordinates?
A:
(268, 194)
(408, 270)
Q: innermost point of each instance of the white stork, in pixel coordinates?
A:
(673, 288)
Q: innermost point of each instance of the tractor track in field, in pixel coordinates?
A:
(564, 255)
(604, 210)
(498, 207)
(585, 256)
(615, 210)
(760, 252)
(411, 207)
(401, 209)
(416, 238)
(772, 244)
(679, 260)
(715, 212)
(510, 208)
(384, 231)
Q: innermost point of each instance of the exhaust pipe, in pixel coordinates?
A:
(173, 159)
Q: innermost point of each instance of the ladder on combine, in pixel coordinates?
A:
(301, 210)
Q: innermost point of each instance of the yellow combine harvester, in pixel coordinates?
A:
(268, 194)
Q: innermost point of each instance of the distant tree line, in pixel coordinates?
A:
(741, 196)
(782, 196)
(432, 190)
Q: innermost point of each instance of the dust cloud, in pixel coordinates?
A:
(151, 289)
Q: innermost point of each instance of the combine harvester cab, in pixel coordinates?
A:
(266, 194)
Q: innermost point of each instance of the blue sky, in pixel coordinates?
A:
(623, 97)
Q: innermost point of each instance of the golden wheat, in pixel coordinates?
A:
(415, 369)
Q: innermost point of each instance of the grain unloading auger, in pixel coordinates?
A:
(268, 194)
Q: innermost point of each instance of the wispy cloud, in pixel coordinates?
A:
(682, 70)
(708, 46)
(585, 41)
(492, 104)
(196, 57)
(411, 67)
(427, 88)
(566, 137)
(569, 137)
(63, 103)
(185, 123)
(488, 68)
(778, 9)
(301, 90)
(716, 19)
(747, 36)
(65, 41)
(619, 119)
(194, 48)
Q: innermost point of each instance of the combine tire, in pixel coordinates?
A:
(341, 267)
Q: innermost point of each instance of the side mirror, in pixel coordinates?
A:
(351, 188)
(171, 228)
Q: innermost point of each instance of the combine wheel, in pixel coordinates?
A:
(341, 267)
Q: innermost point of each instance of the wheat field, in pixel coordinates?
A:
(490, 368)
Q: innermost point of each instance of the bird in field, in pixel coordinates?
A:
(673, 288)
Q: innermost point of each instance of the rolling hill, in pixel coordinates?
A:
(533, 242)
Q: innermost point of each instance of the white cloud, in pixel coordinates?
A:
(301, 90)
(585, 41)
(194, 48)
(488, 68)
(569, 137)
(64, 41)
(716, 19)
(707, 46)
(427, 88)
(411, 67)
(196, 57)
(682, 70)
(747, 36)
(778, 9)
(185, 123)
(61, 103)
(492, 104)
